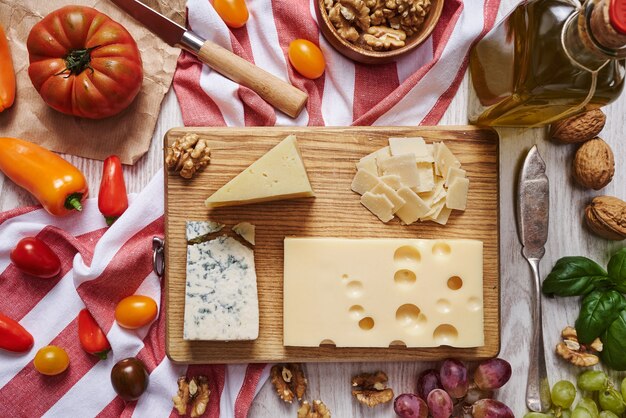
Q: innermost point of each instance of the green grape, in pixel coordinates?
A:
(581, 413)
(624, 388)
(589, 405)
(537, 415)
(608, 414)
(592, 380)
(611, 400)
(563, 394)
(566, 413)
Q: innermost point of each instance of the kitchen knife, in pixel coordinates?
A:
(533, 202)
(273, 90)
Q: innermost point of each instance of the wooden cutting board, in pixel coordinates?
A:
(330, 155)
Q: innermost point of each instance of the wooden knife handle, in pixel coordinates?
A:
(280, 94)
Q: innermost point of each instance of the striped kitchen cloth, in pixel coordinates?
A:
(100, 267)
(415, 90)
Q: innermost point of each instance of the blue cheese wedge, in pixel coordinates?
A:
(221, 300)
(197, 229)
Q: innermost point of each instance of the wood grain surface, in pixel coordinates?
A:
(330, 155)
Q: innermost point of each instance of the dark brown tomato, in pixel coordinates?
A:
(129, 378)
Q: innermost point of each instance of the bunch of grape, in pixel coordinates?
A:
(449, 392)
(600, 398)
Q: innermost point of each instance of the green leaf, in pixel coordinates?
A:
(575, 276)
(617, 270)
(599, 309)
(614, 340)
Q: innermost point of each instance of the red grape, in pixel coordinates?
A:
(409, 405)
(453, 378)
(489, 408)
(439, 404)
(492, 374)
(475, 394)
(426, 382)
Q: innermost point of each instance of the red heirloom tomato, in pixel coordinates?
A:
(33, 256)
(307, 58)
(83, 63)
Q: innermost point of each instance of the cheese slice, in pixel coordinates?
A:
(426, 177)
(389, 193)
(413, 209)
(364, 181)
(379, 205)
(457, 194)
(279, 174)
(443, 216)
(392, 181)
(454, 173)
(415, 146)
(246, 231)
(444, 160)
(368, 165)
(424, 293)
(403, 166)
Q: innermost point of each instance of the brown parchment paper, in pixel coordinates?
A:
(126, 134)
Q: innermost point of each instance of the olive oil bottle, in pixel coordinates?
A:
(547, 60)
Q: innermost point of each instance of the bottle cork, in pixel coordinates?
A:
(602, 29)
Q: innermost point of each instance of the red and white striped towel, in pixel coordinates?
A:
(415, 90)
(100, 267)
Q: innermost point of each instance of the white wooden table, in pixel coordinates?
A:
(568, 236)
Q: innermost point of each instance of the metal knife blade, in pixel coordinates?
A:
(533, 202)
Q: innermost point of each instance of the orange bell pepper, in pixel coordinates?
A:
(56, 184)
(7, 75)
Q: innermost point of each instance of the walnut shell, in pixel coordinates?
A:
(594, 164)
(606, 217)
(578, 128)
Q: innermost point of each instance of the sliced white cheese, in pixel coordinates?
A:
(403, 166)
(197, 229)
(368, 165)
(392, 181)
(401, 146)
(364, 181)
(429, 157)
(391, 194)
(457, 194)
(413, 209)
(221, 300)
(246, 231)
(454, 173)
(426, 177)
(279, 174)
(379, 205)
(436, 194)
(444, 160)
(443, 216)
(435, 210)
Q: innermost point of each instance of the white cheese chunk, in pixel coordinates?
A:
(403, 166)
(368, 165)
(424, 293)
(392, 181)
(413, 209)
(379, 205)
(435, 210)
(444, 160)
(454, 173)
(364, 181)
(457, 194)
(221, 300)
(246, 231)
(401, 146)
(391, 194)
(436, 194)
(197, 229)
(426, 177)
(443, 216)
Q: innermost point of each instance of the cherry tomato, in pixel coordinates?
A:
(51, 360)
(233, 12)
(129, 378)
(33, 256)
(135, 311)
(91, 337)
(307, 58)
(13, 336)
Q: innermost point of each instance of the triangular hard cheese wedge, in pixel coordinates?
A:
(279, 174)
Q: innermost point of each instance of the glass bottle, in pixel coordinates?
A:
(547, 60)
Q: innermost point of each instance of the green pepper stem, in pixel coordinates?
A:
(110, 219)
(102, 354)
(73, 202)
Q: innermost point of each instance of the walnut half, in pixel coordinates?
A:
(192, 392)
(382, 38)
(371, 389)
(578, 354)
(315, 410)
(289, 381)
(187, 155)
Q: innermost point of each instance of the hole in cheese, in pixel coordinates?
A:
(474, 304)
(445, 334)
(397, 343)
(354, 289)
(407, 255)
(404, 277)
(455, 283)
(444, 306)
(344, 276)
(366, 323)
(410, 316)
(356, 311)
(327, 343)
(441, 249)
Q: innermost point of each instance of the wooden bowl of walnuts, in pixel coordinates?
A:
(377, 31)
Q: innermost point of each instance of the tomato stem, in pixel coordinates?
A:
(77, 61)
(102, 354)
(110, 219)
(73, 202)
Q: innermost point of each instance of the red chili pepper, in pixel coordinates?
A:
(91, 336)
(13, 336)
(33, 256)
(112, 199)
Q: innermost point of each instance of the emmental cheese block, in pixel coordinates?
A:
(279, 174)
(383, 292)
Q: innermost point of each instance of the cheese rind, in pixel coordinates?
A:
(279, 174)
(403, 285)
(221, 300)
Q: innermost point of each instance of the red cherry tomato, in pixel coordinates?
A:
(307, 58)
(233, 12)
(13, 336)
(91, 336)
(112, 199)
(33, 256)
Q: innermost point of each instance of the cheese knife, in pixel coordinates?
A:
(533, 202)
(280, 94)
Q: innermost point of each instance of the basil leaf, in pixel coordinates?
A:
(574, 276)
(599, 309)
(614, 340)
(617, 270)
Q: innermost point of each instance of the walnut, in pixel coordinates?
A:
(187, 155)
(289, 381)
(371, 389)
(606, 217)
(594, 164)
(343, 27)
(382, 38)
(574, 352)
(315, 410)
(405, 15)
(355, 12)
(194, 392)
(578, 128)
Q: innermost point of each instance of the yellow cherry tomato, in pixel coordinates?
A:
(51, 360)
(307, 58)
(135, 311)
(233, 12)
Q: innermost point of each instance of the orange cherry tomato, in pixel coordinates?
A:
(307, 58)
(51, 360)
(233, 12)
(135, 311)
